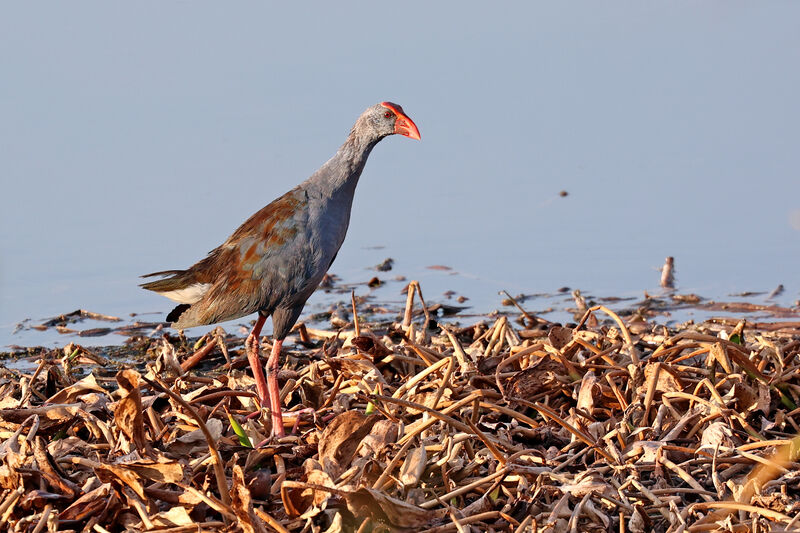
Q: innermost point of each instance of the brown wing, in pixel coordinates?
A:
(232, 270)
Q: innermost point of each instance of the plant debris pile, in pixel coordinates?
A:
(508, 424)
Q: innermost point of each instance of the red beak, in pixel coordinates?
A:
(403, 125)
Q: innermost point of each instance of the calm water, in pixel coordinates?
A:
(131, 142)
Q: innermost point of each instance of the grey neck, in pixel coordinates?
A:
(341, 172)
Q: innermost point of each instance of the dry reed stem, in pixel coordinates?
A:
(463, 521)
(421, 375)
(463, 358)
(45, 518)
(444, 383)
(768, 513)
(270, 521)
(549, 413)
(198, 356)
(414, 405)
(356, 326)
(626, 334)
(465, 489)
(409, 311)
(422, 303)
(425, 424)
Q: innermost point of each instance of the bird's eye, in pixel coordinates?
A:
(387, 114)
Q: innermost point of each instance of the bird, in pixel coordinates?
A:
(276, 259)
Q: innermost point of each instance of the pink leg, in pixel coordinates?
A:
(274, 390)
(251, 346)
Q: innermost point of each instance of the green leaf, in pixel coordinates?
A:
(370, 409)
(244, 440)
(74, 354)
(736, 338)
(783, 390)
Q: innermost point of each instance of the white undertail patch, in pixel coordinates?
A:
(189, 295)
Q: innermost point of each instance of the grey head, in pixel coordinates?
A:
(382, 120)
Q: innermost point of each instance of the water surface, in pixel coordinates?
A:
(137, 137)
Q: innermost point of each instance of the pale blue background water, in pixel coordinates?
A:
(135, 137)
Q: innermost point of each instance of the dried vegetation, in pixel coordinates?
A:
(509, 424)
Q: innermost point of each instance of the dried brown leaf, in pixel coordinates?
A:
(195, 441)
(49, 414)
(10, 477)
(356, 368)
(318, 477)
(340, 440)
(295, 500)
(383, 508)
(559, 336)
(161, 470)
(371, 345)
(589, 484)
(176, 516)
(717, 434)
(101, 502)
(74, 392)
(667, 381)
(108, 473)
(242, 504)
(69, 446)
(51, 472)
(588, 393)
(428, 399)
(128, 411)
(259, 484)
(383, 433)
(37, 499)
(532, 381)
(413, 466)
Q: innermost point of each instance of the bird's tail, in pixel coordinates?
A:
(175, 281)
